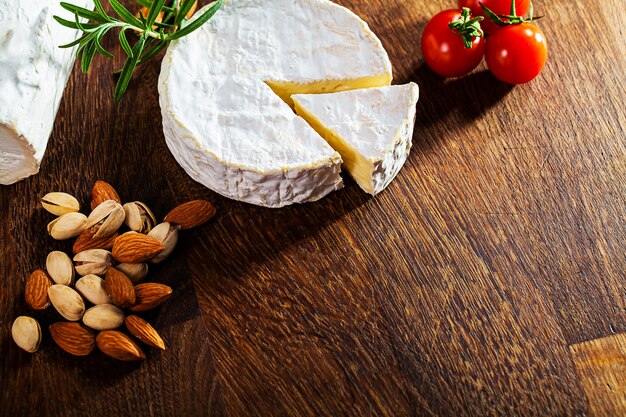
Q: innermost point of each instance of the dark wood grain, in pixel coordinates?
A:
(601, 364)
(456, 292)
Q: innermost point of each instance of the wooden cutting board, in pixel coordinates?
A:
(488, 279)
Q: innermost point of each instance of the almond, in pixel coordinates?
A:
(101, 192)
(191, 214)
(36, 290)
(149, 295)
(86, 241)
(119, 346)
(143, 331)
(119, 288)
(133, 247)
(74, 338)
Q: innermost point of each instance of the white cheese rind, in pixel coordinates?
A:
(33, 74)
(228, 129)
(375, 123)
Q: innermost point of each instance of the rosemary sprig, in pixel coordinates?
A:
(151, 36)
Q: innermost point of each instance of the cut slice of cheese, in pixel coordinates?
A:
(371, 128)
(33, 74)
(223, 92)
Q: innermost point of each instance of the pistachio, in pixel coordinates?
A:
(134, 272)
(67, 226)
(67, 302)
(93, 261)
(60, 267)
(26, 333)
(108, 217)
(166, 234)
(139, 217)
(93, 289)
(104, 317)
(60, 203)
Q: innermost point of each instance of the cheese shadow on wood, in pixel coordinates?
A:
(259, 234)
(459, 101)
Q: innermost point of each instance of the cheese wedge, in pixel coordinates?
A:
(225, 93)
(371, 128)
(33, 74)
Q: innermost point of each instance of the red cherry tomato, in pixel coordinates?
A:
(444, 50)
(499, 7)
(516, 54)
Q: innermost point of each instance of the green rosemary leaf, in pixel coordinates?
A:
(155, 9)
(129, 68)
(73, 25)
(196, 22)
(82, 39)
(124, 42)
(148, 4)
(82, 12)
(99, 35)
(125, 14)
(184, 8)
(161, 25)
(101, 10)
(88, 54)
(153, 36)
(151, 52)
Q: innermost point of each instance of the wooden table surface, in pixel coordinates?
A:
(488, 279)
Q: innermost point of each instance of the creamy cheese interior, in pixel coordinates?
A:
(286, 89)
(17, 159)
(355, 163)
(371, 129)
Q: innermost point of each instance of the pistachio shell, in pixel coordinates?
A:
(60, 267)
(93, 261)
(60, 203)
(67, 302)
(93, 289)
(104, 317)
(26, 333)
(108, 217)
(134, 272)
(67, 226)
(139, 217)
(166, 234)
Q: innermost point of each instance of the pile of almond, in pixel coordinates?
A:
(111, 265)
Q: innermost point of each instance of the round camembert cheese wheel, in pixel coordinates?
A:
(225, 94)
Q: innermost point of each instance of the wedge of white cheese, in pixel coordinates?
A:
(33, 74)
(223, 92)
(371, 128)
